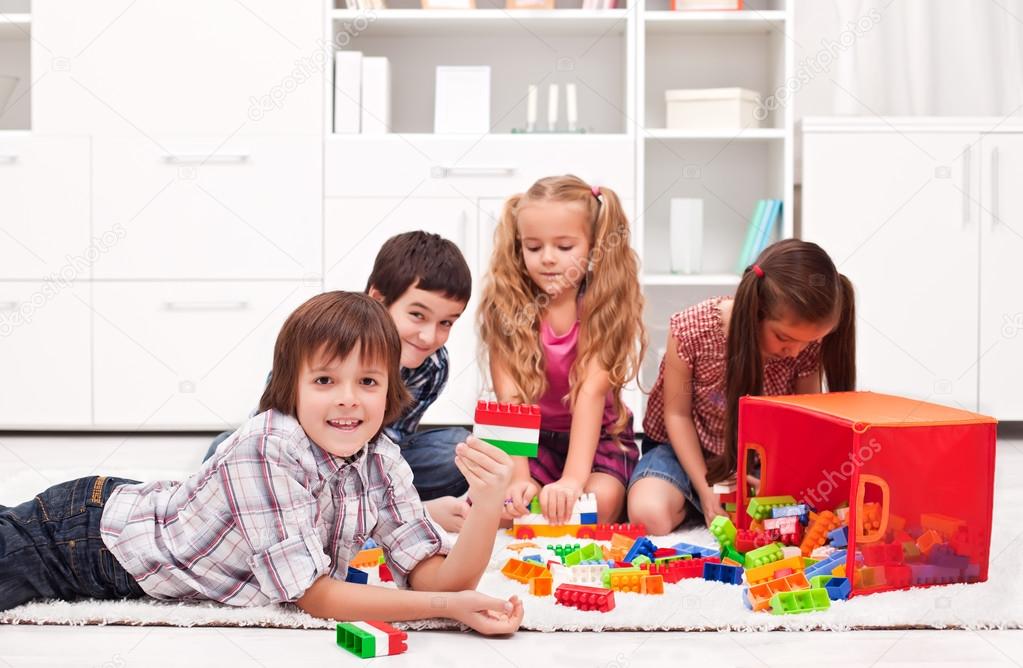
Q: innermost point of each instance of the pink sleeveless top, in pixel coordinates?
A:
(559, 354)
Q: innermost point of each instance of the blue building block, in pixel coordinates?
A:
(839, 537)
(643, 545)
(696, 551)
(369, 544)
(357, 576)
(801, 510)
(838, 588)
(722, 573)
(587, 518)
(745, 599)
(534, 557)
(825, 566)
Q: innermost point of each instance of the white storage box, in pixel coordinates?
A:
(712, 109)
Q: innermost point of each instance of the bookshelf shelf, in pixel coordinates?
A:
(748, 134)
(405, 22)
(15, 26)
(715, 23)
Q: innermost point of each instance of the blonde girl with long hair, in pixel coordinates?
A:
(561, 319)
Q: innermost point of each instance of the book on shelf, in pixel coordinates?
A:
(376, 95)
(759, 232)
(600, 4)
(347, 92)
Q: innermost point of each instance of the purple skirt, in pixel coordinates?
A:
(614, 457)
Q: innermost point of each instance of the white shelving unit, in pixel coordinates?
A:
(622, 60)
(15, 40)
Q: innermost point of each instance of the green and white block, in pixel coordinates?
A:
(516, 441)
(367, 641)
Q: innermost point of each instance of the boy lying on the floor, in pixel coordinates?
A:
(282, 507)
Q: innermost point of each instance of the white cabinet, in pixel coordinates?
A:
(44, 355)
(202, 207)
(907, 210)
(147, 67)
(169, 354)
(355, 230)
(44, 206)
(1001, 285)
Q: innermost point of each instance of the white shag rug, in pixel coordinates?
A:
(690, 605)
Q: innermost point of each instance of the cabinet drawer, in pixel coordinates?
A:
(199, 208)
(185, 355)
(44, 206)
(151, 67)
(495, 166)
(44, 354)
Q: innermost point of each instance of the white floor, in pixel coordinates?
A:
(43, 460)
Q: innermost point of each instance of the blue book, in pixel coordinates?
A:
(770, 220)
(751, 236)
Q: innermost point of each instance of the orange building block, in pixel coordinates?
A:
(542, 585)
(523, 571)
(760, 595)
(367, 558)
(518, 547)
(651, 584)
(947, 526)
(817, 533)
(628, 582)
(927, 540)
(766, 572)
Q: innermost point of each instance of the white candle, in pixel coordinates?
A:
(531, 108)
(552, 107)
(571, 106)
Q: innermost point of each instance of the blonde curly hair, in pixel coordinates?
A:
(611, 312)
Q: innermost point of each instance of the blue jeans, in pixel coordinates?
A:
(431, 456)
(50, 547)
(659, 461)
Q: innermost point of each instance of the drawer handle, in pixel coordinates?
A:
(8, 306)
(193, 158)
(205, 306)
(445, 171)
(8, 158)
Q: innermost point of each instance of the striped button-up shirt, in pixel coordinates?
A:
(424, 383)
(266, 516)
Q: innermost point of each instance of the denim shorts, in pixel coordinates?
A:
(659, 461)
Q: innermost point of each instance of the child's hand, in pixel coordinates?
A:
(487, 469)
(486, 614)
(448, 512)
(521, 492)
(711, 504)
(558, 499)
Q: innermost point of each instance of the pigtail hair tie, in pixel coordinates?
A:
(596, 191)
(758, 271)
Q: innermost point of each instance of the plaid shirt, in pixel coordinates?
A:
(699, 337)
(424, 383)
(266, 516)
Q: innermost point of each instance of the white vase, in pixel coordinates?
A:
(7, 85)
(686, 235)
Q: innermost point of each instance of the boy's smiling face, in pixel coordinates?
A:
(341, 403)
(424, 320)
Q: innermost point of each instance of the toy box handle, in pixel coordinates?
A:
(762, 455)
(861, 493)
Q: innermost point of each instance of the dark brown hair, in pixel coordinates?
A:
(801, 282)
(423, 260)
(334, 323)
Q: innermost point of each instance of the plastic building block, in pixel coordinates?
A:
(587, 518)
(760, 506)
(357, 576)
(800, 510)
(805, 600)
(764, 555)
(722, 573)
(817, 531)
(511, 427)
(662, 552)
(585, 598)
(562, 550)
(822, 552)
(790, 551)
(897, 575)
(644, 546)
(747, 541)
(767, 572)
(533, 557)
(368, 558)
(733, 555)
(605, 577)
(651, 584)
(785, 530)
(927, 574)
(606, 531)
(879, 554)
(869, 518)
(371, 639)
(542, 585)
(518, 547)
(869, 577)
(640, 560)
(522, 571)
(838, 588)
(759, 596)
(928, 540)
(534, 506)
(839, 537)
(588, 574)
(826, 566)
(818, 581)
(910, 552)
(946, 526)
(723, 531)
(697, 551)
(385, 573)
(589, 552)
(626, 580)
(681, 570)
